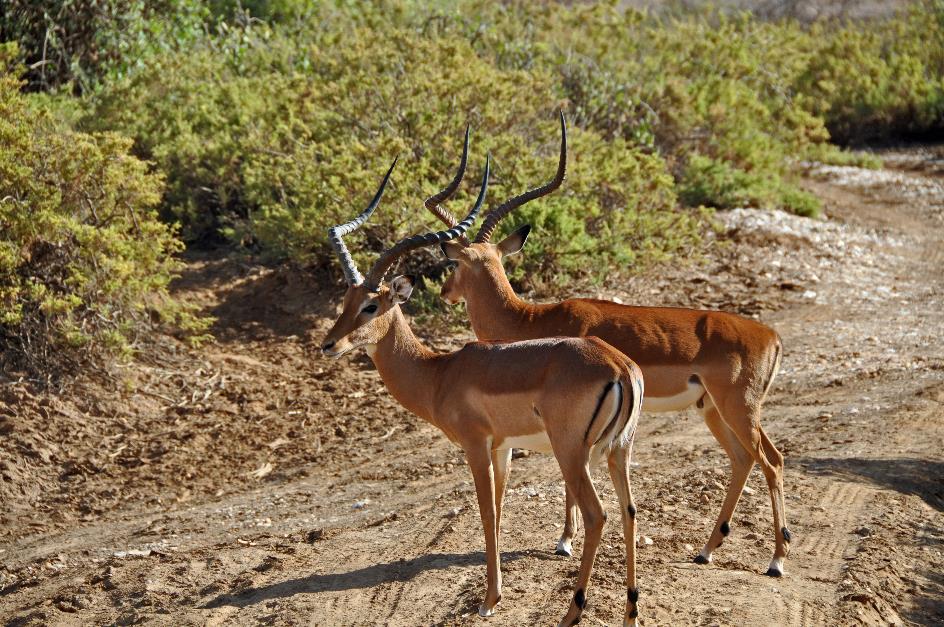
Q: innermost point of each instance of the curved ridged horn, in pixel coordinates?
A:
(405, 245)
(432, 203)
(495, 215)
(335, 233)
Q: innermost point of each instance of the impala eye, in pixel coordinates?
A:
(369, 309)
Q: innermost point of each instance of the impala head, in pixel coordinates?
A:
(366, 315)
(481, 257)
(476, 261)
(370, 304)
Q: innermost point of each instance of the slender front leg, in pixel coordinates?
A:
(565, 544)
(500, 460)
(480, 461)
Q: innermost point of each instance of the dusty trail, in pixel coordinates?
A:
(368, 516)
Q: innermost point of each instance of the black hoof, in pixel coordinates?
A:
(774, 572)
(700, 559)
(563, 552)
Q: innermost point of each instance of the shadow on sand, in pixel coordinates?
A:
(367, 577)
(256, 300)
(908, 475)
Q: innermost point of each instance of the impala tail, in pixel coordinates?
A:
(775, 367)
(618, 412)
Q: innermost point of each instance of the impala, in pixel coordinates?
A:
(578, 398)
(722, 363)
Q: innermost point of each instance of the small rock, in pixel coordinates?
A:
(688, 548)
(133, 553)
(81, 602)
(360, 504)
(863, 532)
(645, 541)
(748, 490)
(453, 512)
(62, 606)
(705, 498)
(268, 563)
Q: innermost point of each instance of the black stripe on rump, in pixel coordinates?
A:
(628, 403)
(606, 391)
(615, 426)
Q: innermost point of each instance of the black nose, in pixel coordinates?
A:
(327, 346)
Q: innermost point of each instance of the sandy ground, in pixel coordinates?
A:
(253, 482)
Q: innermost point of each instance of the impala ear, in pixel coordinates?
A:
(515, 242)
(451, 250)
(401, 288)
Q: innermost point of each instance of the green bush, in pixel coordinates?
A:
(80, 42)
(84, 262)
(268, 132)
(878, 79)
(269, 144)
(717, 183)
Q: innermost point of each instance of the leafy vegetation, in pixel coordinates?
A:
(269, 120)
(879, 79)
(268, 144)
(76, 44)
(84, 261)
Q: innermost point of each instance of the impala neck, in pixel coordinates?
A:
(495, 311)
(406, 367)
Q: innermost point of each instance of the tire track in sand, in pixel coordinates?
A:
(840, 506)
(822, 550)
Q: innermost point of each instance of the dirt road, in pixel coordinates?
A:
(252, 482)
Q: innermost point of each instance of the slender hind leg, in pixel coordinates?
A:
(741, 465)
(577, 475)
(565, 544)
(618, 462)
(773, 473)
(742, 418)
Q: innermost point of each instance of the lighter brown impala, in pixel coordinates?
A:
(720, 362)
(578, 398)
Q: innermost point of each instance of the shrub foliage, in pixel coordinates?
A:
(268, 143)
(84, 261)
(273, 119)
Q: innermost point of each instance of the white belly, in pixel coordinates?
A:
(538, 442)
(679, 401)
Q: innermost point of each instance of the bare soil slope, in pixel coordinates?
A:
(252, 482)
